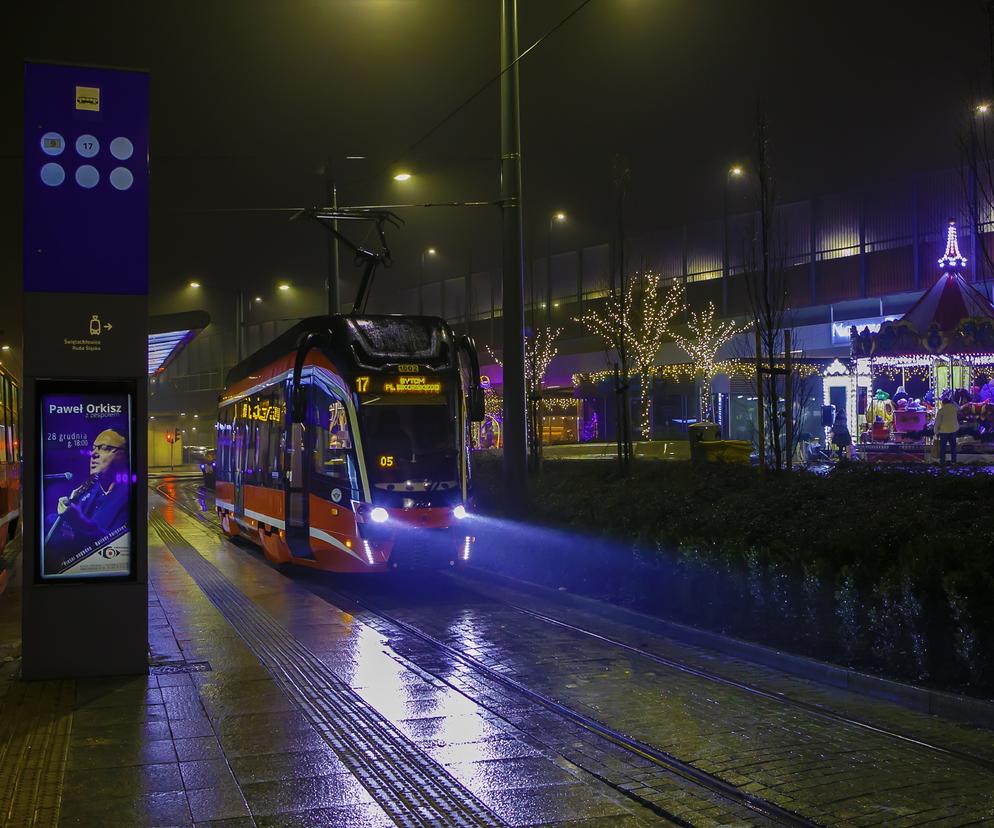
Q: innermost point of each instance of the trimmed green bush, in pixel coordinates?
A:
(882, 568)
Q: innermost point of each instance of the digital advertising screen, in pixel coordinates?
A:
(87, 483)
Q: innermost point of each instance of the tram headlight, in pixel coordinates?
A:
(379, 515)
(460, 512)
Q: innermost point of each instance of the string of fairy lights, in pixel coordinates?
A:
(706, 338)
(540, 350)
(635, 322)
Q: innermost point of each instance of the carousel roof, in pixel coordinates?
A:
(952, 317)
(947, 303)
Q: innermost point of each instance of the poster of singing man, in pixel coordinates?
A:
(86, 485)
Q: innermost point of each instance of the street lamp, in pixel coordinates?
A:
(736, 171)
(402, 176)
(559, 217)
(982, 108)
(428, 251)
(240, 307)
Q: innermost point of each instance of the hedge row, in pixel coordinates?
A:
(883, 569)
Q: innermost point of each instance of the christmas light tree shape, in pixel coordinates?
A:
(637, 322)
(705, 339)
(952, 259)
(540, 350)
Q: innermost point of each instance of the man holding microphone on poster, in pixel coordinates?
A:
(96, 511)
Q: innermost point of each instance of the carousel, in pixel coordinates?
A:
(897, 375)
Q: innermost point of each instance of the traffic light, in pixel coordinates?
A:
(170, 436)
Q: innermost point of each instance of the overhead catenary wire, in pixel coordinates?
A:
(411, 149)
(421, 140)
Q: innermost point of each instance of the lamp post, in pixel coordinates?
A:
(512, 259)
(559, 217)
(733, 172)
(428, 251)
(240, 312)
(981, 111)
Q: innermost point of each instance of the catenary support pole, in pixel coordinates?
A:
(334, 273)
(788, 397)
(760, 419)
(515, 442)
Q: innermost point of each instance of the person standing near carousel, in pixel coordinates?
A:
(947, 426)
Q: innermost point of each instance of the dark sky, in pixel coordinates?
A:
(251, 98)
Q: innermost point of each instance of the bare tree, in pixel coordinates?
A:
(706, 337)
(767, 291)
(540, 350)
(634, 324)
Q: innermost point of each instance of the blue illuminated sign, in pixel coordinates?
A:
(85, 180)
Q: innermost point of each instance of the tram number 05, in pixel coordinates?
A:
(386, 461)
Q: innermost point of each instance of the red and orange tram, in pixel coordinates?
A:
(10, 465)
(343, 444)
(10, 458)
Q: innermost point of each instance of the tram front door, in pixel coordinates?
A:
(296, 511)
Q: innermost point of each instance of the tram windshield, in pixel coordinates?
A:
(410, 441)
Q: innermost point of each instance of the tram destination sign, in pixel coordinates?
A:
(412, 384)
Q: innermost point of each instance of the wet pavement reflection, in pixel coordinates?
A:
(281, 698)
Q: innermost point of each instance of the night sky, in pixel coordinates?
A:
(251, 99)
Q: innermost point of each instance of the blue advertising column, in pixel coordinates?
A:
(85, 603)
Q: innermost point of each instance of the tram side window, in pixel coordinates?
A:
(5, 420)
(252, 476)
(238, 440)
(268, 430)
(14, 432)
(333, 446)
(276, 444)
(224, 443)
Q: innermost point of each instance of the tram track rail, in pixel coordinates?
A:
(823, 713)
(684, 770)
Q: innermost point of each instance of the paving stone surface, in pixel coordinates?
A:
(211, 738)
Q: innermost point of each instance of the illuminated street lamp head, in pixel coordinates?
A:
(736, 171)
(431, 251)
(194, 284)
(284, 286)
(4, 347)
(258, 298)
(982, 108)
(402, 176)
(560, 216)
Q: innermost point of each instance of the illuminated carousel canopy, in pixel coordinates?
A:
(952, 317)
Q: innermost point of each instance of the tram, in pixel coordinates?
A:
(10, 464)
(343, 444)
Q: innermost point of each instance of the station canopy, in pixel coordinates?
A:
(169, 333)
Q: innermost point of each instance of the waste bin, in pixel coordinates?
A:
(697, 433)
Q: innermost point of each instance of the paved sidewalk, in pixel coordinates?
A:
(267, 706)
